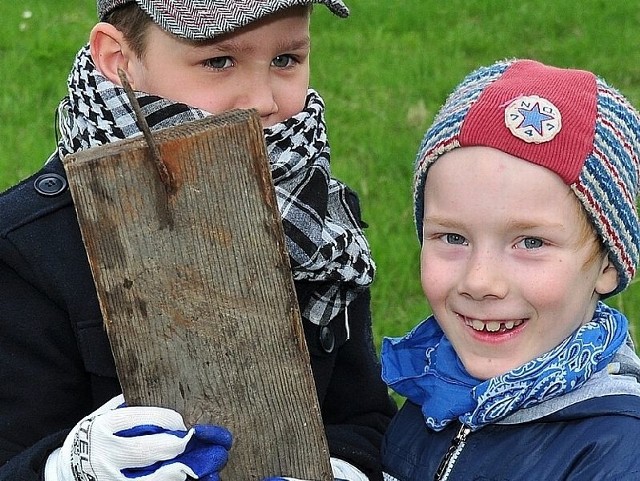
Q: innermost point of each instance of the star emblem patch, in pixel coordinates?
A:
(533, 119)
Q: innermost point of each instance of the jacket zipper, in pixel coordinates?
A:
(451, 456)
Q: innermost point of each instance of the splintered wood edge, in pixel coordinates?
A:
(249, 117)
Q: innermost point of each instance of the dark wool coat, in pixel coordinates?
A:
(56, 365)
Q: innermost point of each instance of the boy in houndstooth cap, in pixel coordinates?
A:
(525, 202)
(185, 59)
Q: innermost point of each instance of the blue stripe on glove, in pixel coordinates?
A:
(206, 452)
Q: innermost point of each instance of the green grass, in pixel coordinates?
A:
(383, 73)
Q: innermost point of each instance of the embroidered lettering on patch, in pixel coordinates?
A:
(533, 119)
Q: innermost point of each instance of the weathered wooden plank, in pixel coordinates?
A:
(195, 288)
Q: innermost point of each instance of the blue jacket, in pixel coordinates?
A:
(593, 434)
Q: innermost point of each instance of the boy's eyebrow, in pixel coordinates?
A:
(525, 225)
(230, 45)
(442, 222)
(511, 224)
(295, 44)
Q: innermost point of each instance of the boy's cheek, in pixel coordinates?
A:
(432, 278)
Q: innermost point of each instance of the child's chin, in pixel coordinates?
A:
(484, 369)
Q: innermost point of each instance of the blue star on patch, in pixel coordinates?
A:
(533, 119)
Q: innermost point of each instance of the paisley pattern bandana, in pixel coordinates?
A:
(423, 367)
(324, 237)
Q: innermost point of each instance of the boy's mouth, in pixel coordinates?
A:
(492, 326)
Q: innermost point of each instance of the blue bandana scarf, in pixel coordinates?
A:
(423, 367)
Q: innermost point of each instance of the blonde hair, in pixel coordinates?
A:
(588, 233)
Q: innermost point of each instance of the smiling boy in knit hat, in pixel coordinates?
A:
(185, 59)
(525, 204)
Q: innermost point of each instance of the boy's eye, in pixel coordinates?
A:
(283, 61)
(530, 243)
(218, 63)
(454, 239)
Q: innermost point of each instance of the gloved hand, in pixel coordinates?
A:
(117, 443)
(297, 479)
(342, 471)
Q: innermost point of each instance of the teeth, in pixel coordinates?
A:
(493, 326)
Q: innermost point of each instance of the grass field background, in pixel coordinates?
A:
(383, 73)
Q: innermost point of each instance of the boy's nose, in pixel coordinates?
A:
(483, 277)
(260, 96)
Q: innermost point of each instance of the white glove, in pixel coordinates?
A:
(117, 443)
(342, 471)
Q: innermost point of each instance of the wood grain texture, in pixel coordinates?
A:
(196, 291)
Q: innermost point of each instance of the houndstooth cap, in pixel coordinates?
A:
(206, 19)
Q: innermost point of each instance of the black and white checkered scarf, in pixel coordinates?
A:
(323, 236)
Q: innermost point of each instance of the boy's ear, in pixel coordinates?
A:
(109, 51)
(608, 279)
